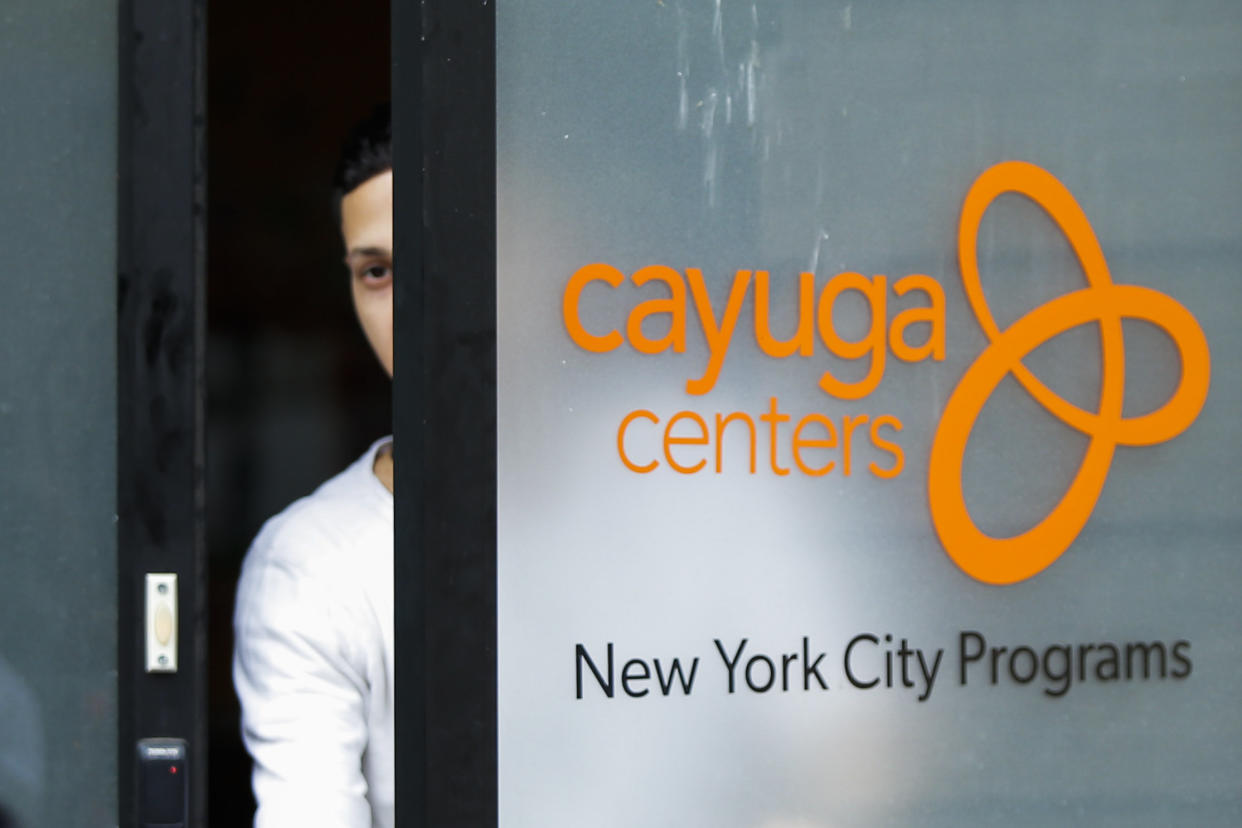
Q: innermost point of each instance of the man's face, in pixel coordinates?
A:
(366, 222)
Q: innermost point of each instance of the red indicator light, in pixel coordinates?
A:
(172, 769)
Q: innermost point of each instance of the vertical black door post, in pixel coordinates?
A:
(444, 82)
(160, 349)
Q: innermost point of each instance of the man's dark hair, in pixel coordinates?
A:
(366, 154)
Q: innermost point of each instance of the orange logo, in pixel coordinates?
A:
(1009, 560)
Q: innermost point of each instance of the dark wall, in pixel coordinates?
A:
(293, 392)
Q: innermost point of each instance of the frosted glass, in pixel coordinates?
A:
(58, 151)
(829, 138)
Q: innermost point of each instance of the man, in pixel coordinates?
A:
(313, 661)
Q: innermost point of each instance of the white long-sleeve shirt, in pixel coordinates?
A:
(313, 656)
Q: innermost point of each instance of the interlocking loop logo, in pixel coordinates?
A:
(1009, 560)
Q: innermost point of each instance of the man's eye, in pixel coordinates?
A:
(375, 273)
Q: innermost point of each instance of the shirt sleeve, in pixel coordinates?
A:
(302, 692)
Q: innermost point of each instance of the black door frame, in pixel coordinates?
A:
(160, 378)
(444, 418)
(444, 409)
